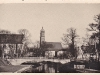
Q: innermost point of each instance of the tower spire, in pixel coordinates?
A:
(42, 36)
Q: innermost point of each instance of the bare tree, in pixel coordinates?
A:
(96, 28)
(26, 39)
(26, 34)
(69, 39)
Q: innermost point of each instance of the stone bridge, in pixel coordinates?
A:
(19, 61)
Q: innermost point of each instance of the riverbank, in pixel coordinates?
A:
(14, 69)
(18, 61)
(52, 66)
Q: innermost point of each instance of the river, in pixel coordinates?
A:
(57, 67)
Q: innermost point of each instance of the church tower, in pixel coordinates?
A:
(42, 36)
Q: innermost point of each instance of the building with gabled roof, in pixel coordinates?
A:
(56, 46)
(51, 51)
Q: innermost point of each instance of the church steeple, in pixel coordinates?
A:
(42, 30)
(42, 36)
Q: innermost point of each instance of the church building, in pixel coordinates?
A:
(53, 51)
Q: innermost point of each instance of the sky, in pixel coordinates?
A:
(54, 18)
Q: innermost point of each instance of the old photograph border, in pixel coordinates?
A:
(49, 1)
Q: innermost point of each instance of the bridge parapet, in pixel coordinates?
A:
(19, 61)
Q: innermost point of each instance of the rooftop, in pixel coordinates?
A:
(56, 46)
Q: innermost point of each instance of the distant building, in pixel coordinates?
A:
(10, 44)
(53, 51)
(90, 49)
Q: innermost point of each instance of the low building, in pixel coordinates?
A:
(55, 50)
(10, 44)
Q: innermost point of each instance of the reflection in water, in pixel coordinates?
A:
(51, 67)
(46, 67)
(71, 67)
